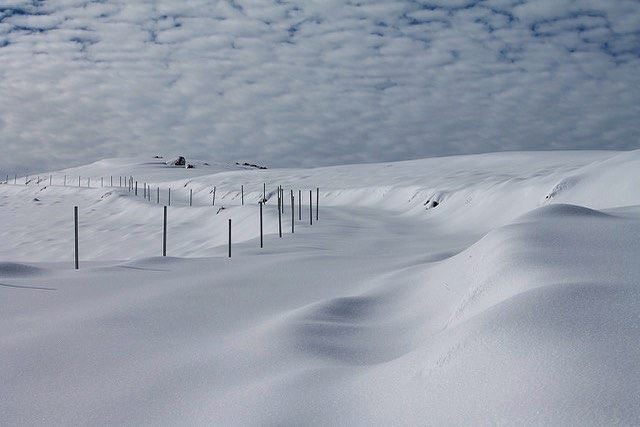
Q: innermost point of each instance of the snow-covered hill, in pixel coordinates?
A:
(497, 288)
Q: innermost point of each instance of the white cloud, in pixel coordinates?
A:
(314, 82)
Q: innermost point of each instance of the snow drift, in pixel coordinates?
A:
(513, 300)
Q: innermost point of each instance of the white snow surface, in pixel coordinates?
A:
(515, 300)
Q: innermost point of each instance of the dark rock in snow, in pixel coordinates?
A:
(178, 161)
(190, 166)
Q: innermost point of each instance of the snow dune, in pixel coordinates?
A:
(513, 300)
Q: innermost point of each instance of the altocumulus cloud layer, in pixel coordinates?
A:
(314, 82)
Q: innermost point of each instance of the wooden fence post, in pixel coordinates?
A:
(242, 195)
(299, 205)
(310, 208)
(293, 213)
(260, 203)
(280, 216)
(75, 221)
(317, 201)
(169, 203)
(229, 237)
(164, 233)
(190, 197)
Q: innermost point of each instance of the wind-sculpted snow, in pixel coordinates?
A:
(497, 306)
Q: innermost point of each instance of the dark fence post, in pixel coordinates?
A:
(144, 191)
(310, 208)
(169, 203)
(111, 182)
(293, 213)
(164, 233)
(264, 191)
(213, 200)
(158, 195)
(136, 189)
(75, 221)
(49, 179)
(261, 243)
(299, 205)
(229, 237)
(242, 195)
(317, 201)
(280, 216)
(78, 181)
(89, 182)
(190, 197)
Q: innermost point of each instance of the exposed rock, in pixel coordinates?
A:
(178, 161)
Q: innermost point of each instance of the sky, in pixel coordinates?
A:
(308, 83)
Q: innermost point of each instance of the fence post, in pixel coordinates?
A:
(78, 180)
(136, 190)
(293, 213)
(229, 237)
(89, 182)
(213, 201)
(169, 196)
(299, 205)
(158, 195)
(101, 181)
(317, 201)
(242, 195)
(260, 203)
(75, 221)
(144, 191)
(49, 180)
(280, 217)
(310, 208)
(190, 197)
(15, 178)
(111, 182)
(164, 233)
(264, 191)
(120, 180)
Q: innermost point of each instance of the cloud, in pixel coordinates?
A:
(300, 83)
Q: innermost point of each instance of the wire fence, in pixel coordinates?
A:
(153, 194)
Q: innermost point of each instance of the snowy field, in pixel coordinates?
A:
(485, 289)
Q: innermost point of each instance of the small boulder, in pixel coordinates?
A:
(178, 161)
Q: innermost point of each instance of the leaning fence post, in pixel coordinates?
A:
(164, 233)
(75, 221)
(310, 208)
(260, 203)
(229, 237)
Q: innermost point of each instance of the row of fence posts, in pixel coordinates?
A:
(132, 185)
